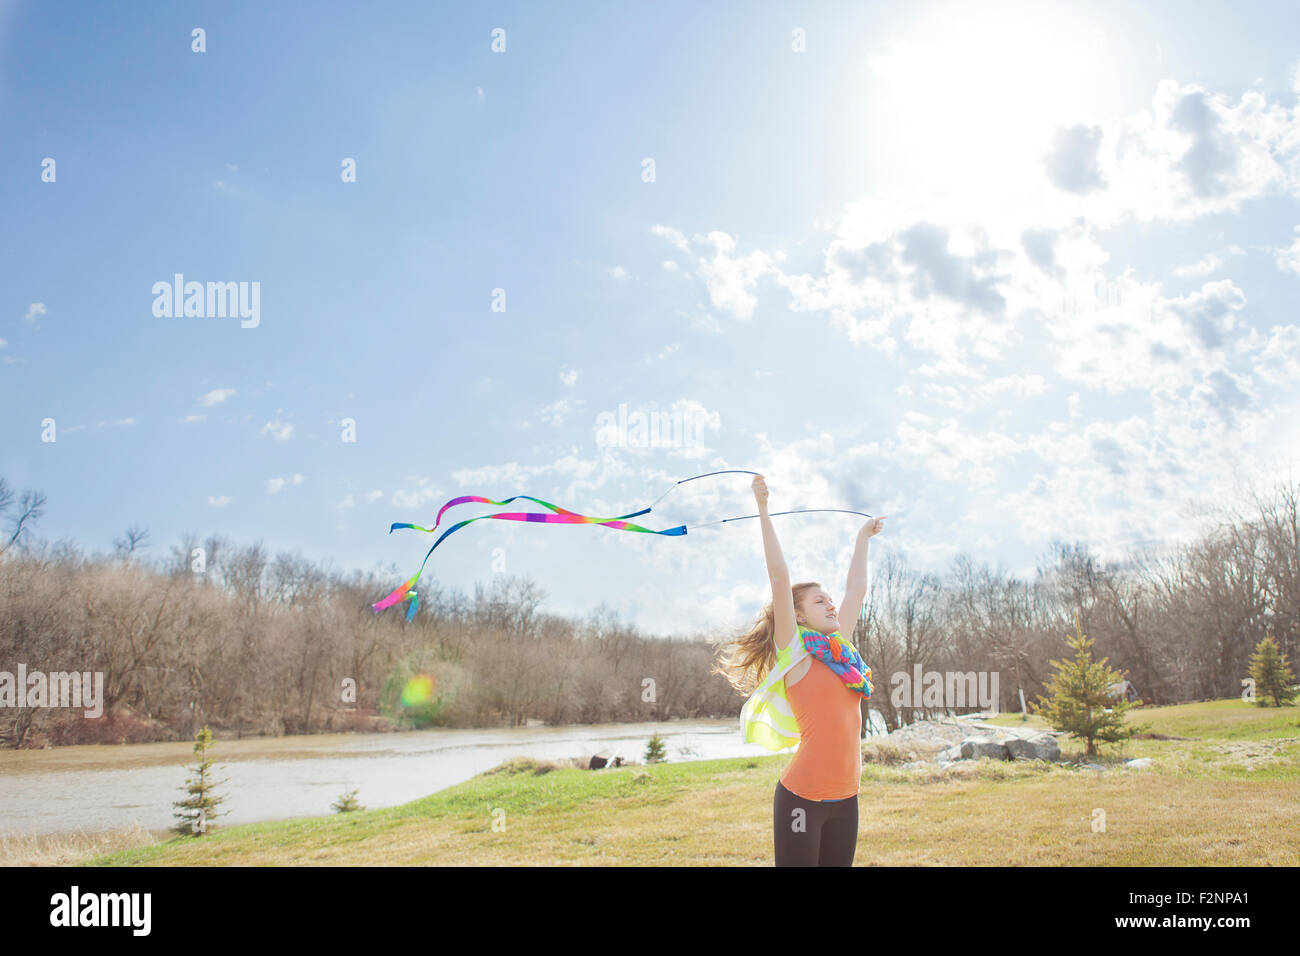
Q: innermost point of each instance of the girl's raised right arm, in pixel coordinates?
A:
(777, 572)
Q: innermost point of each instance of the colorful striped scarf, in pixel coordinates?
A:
(840, 656)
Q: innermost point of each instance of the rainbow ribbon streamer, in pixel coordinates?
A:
(561, 516)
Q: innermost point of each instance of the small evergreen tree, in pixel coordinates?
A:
(655, 751)
(347, 803)
(1078, 701)
(194, 813)
(1272, 674)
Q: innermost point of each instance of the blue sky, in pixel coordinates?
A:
(1004, 273)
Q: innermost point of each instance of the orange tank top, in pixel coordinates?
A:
(828, 763)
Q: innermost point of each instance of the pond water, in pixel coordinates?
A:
(64, 789)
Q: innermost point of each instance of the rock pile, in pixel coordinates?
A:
(1040, 746)
(964, 738)
(945, 741)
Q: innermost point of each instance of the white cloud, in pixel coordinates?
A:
(216, 397)
(1169, 343)
(960, 396)
(280, 431)
(952, 451)
(672, 235)
(218, 501)
(34, 311)
(731, 280)
(1194, 154)
(1202, 267)
(125, 421)
(373, 496)
(1211, 262)
(569, 376)
(347, 502)
(276, 485)
(582, 471)
(1288, 257)
(193, 418)
(1278, 362)
(1080, 471)
(958, 271)
(425, 491)
(619, 273)
(556, 412)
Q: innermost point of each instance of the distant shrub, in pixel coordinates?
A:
(655, 751)
(347, 803)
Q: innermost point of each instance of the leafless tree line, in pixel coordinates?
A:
(1181, 625)
(260, 644)
(253, 643)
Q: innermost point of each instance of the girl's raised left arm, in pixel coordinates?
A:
(856, 590)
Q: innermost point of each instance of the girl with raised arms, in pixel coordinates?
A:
(806, 683)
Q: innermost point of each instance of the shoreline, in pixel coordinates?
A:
(289, 746)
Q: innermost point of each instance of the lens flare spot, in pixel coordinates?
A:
(418, 690)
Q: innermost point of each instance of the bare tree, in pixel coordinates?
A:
(903, 631)
(30, 508)
(508, 606)
(1279, 524)
(181, 554)
(135, 539)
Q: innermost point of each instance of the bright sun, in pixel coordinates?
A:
(971, 103)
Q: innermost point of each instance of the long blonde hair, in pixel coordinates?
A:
(744, 661)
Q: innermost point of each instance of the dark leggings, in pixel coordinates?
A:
(825, 833)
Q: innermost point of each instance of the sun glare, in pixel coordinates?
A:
(972, 103)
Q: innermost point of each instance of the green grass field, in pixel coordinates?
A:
(1228, 794)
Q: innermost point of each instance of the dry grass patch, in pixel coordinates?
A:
(62, 849)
